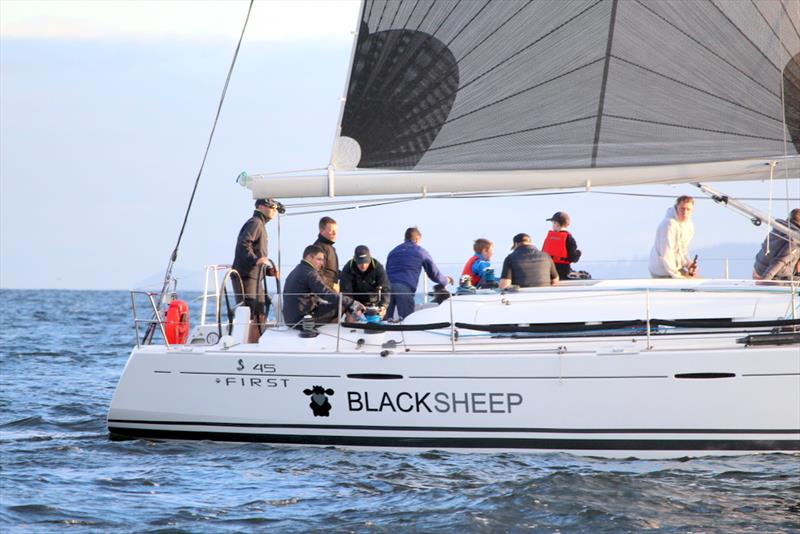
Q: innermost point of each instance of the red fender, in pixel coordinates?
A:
(177, 327)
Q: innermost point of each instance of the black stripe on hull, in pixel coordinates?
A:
(469, 442)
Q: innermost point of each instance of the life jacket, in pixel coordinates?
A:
(555, 244)
(468, 269)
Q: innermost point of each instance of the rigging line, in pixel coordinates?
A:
(213, 129)
(690, 86)
(602, 100)
(174, 256)
(347, 208)
(354, 204)
(325, 207)
(707, 48)
(696, 128)
(776, 34)
(785, 150)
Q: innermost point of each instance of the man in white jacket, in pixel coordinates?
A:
(669, 257)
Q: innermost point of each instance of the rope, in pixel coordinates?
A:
(346, 205)
(174, 256)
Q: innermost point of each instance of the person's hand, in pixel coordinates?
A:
(382, 311)
(263, 260)
(450, 281)
(357, 309)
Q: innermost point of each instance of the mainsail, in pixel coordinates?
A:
(509, 95)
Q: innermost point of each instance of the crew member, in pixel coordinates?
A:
(305, 293)
(325, 240)
(560, 245)
(527, 266)
(404, 265)
(669, 257)
(480, 261)
(251, 262)
(364, 279)
(779, 257)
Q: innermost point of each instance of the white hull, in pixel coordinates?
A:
(684, 394)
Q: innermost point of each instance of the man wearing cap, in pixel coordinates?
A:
(526, 266)
(364, 278)
(325, 240)
(251, 262)
(403, 266)
(560, 245)
(305, 293)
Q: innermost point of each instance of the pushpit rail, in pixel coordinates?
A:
(155, 321)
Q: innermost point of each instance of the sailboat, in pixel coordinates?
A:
(501, 97)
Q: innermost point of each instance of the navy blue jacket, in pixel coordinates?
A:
(406, 261)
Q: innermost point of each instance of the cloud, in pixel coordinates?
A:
(194, 20)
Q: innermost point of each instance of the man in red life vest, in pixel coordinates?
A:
(560, 245)
(480, 261)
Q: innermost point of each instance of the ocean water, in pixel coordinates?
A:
(61, 353)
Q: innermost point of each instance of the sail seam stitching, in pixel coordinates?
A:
(777, 36)
(685, 84)
(709, 50)
(612, 20)
(747, 38)
(660, 123)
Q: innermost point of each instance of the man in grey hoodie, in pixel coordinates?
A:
(779, 254)
(669, 257)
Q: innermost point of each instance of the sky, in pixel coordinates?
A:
(106, 109)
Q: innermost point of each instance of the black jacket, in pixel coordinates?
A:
(301, 291)
(364, 286)
(528, 267)
(330, 271)
(251, 245)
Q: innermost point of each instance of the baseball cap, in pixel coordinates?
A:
(560, 217)
(362, 255)
(268, 202)
(521, 238)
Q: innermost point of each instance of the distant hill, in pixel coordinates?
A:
(712, 261)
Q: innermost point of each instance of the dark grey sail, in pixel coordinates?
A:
(505, 84)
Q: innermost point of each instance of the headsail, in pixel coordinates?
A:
(504, 85)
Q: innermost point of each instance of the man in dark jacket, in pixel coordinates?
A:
(779, 254)
(325, 241)
(251, 262)
(305, 293)
(403, 266)
(526, 266)
(364, 279)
